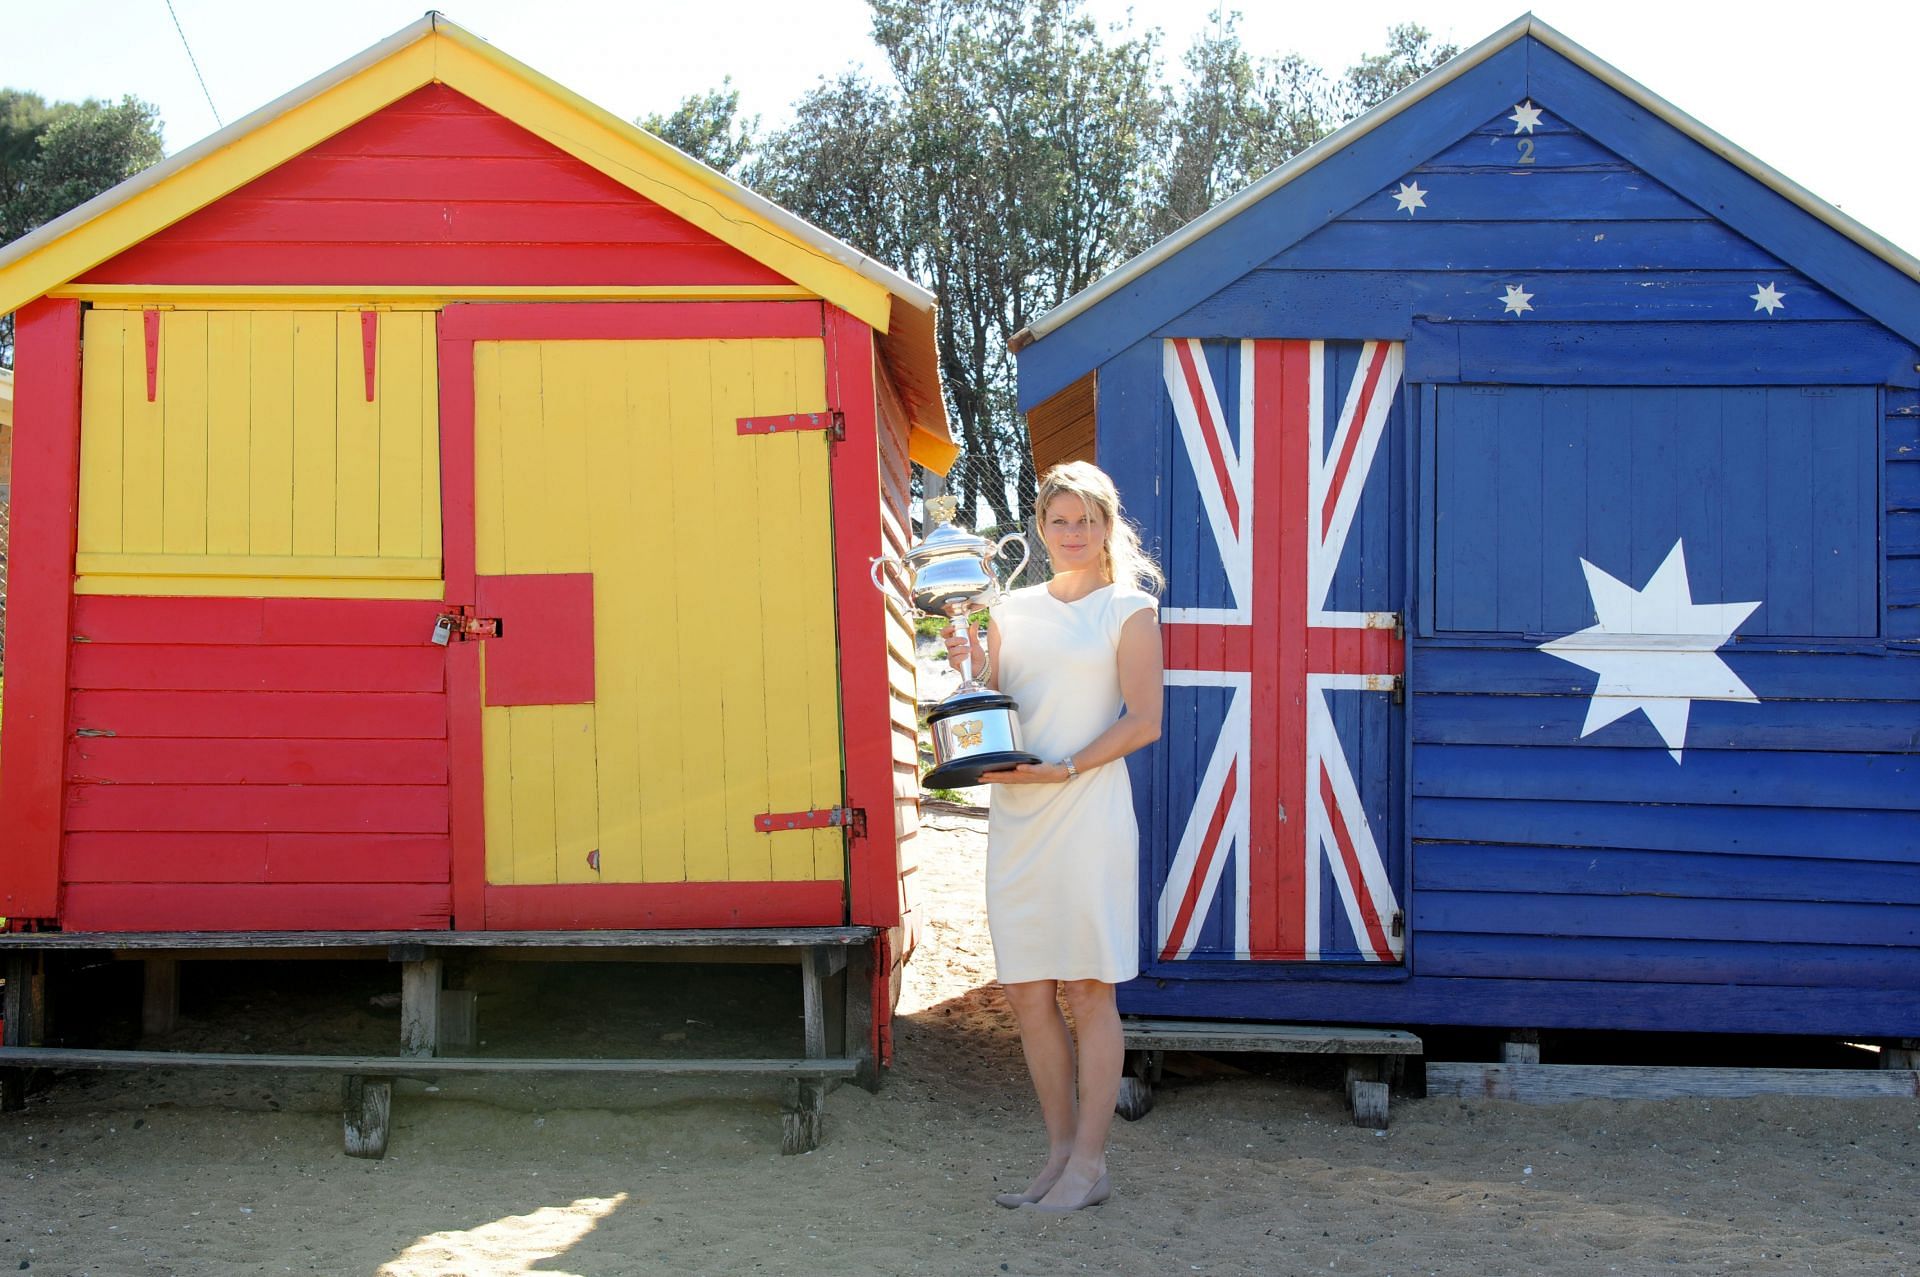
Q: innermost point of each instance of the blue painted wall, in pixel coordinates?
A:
(1770, 880)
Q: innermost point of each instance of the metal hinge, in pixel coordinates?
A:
(1399, 923)
(853, 819)
(460, 625)
(834, 423)
(1399, 689)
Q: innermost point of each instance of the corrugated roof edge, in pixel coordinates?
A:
(1524, 25)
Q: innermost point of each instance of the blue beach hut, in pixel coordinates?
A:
(1538, 478)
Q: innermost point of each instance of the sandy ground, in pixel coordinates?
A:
(1234, 1173)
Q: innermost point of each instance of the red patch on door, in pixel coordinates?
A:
(544, 652)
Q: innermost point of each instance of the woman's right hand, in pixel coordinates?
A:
(958, 641)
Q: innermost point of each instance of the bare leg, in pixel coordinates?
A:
(1049, 1051)
(1096, 1025)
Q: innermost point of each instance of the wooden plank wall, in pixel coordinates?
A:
(1770, 881)
(896, 525)
(256, 764)
(434, 189)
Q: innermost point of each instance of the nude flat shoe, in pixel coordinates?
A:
(1014, 1201)
(1095, 1195)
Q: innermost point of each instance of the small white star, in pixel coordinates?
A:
(1517, 301)
(1410, 197)
(1655, 650)
(1769, 299)
(1525, 117)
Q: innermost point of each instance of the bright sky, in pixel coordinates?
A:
(1827, 100)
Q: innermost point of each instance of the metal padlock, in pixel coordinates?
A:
(443, 630)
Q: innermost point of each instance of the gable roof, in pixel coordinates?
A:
(434, 50)
(1488, 66)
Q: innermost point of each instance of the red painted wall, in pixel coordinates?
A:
(256, 764)
(434, 189)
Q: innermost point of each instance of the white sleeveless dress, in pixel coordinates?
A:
(1063, 862)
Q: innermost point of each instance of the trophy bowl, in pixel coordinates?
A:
(950, 573)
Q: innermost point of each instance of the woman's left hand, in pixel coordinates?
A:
(1028, 774)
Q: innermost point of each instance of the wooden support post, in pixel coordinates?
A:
(24, 1010)
(459, 1019)
(420, 1006)
(1138, 1075)
(804, 1108)
(366, 1111)
(1368, 1089)
(859, 1033)
(160, 1005)
(1521, 1047)
(813, 1003)
(1904, 1054)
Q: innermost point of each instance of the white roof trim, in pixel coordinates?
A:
(1432, 82)
(828, 246)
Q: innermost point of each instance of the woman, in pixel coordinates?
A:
(1062, 846)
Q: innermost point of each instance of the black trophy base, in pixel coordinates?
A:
(962, 772)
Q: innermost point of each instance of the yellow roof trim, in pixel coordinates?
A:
(430, 50)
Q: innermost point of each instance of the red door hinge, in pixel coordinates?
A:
(834, 423)
(852, 818)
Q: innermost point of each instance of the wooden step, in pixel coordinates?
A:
(1299, 1039)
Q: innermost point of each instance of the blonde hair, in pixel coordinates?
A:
(1122, 557)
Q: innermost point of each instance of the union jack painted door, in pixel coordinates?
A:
(1276, 830)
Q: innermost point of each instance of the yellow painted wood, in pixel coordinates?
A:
(665, 830)
(102, 476)
(356, 434)
(142, 455)
(315, 432)
(496, 745)
(530, 765)
(716, 693)
(292, 566)
(229, 432)
(183, 478)
(399, 391)
(408, 297)
(702, 576)
(261, 587)
(259, 457)
(576, 793)
(270, 461)
(621, 593)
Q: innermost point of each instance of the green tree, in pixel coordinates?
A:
(1410, 54)
(56, 157)
(708, 127)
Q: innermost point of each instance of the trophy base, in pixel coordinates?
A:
(962, 772)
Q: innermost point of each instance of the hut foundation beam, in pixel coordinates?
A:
(1521, 1047)
(24, 1009)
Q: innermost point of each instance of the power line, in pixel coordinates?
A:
(196, 65)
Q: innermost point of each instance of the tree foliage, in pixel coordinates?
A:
(708, 127)
(1014, 154)
(54, 157)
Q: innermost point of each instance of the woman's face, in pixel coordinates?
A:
(1075, 533)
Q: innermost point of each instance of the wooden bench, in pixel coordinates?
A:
(432, 1017)
(1373, 1056)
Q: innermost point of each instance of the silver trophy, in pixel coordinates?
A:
(976, 729)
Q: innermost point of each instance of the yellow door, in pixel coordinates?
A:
(714, 689)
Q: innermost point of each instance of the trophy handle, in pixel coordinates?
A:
(1026, 553)
(873, 570)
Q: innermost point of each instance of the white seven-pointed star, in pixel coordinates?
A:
(1768, 298)
(1410, 197)
(1655, 650)
(1525, 117)
(1517, 300)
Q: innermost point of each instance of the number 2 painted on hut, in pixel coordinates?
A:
(1526, 150)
